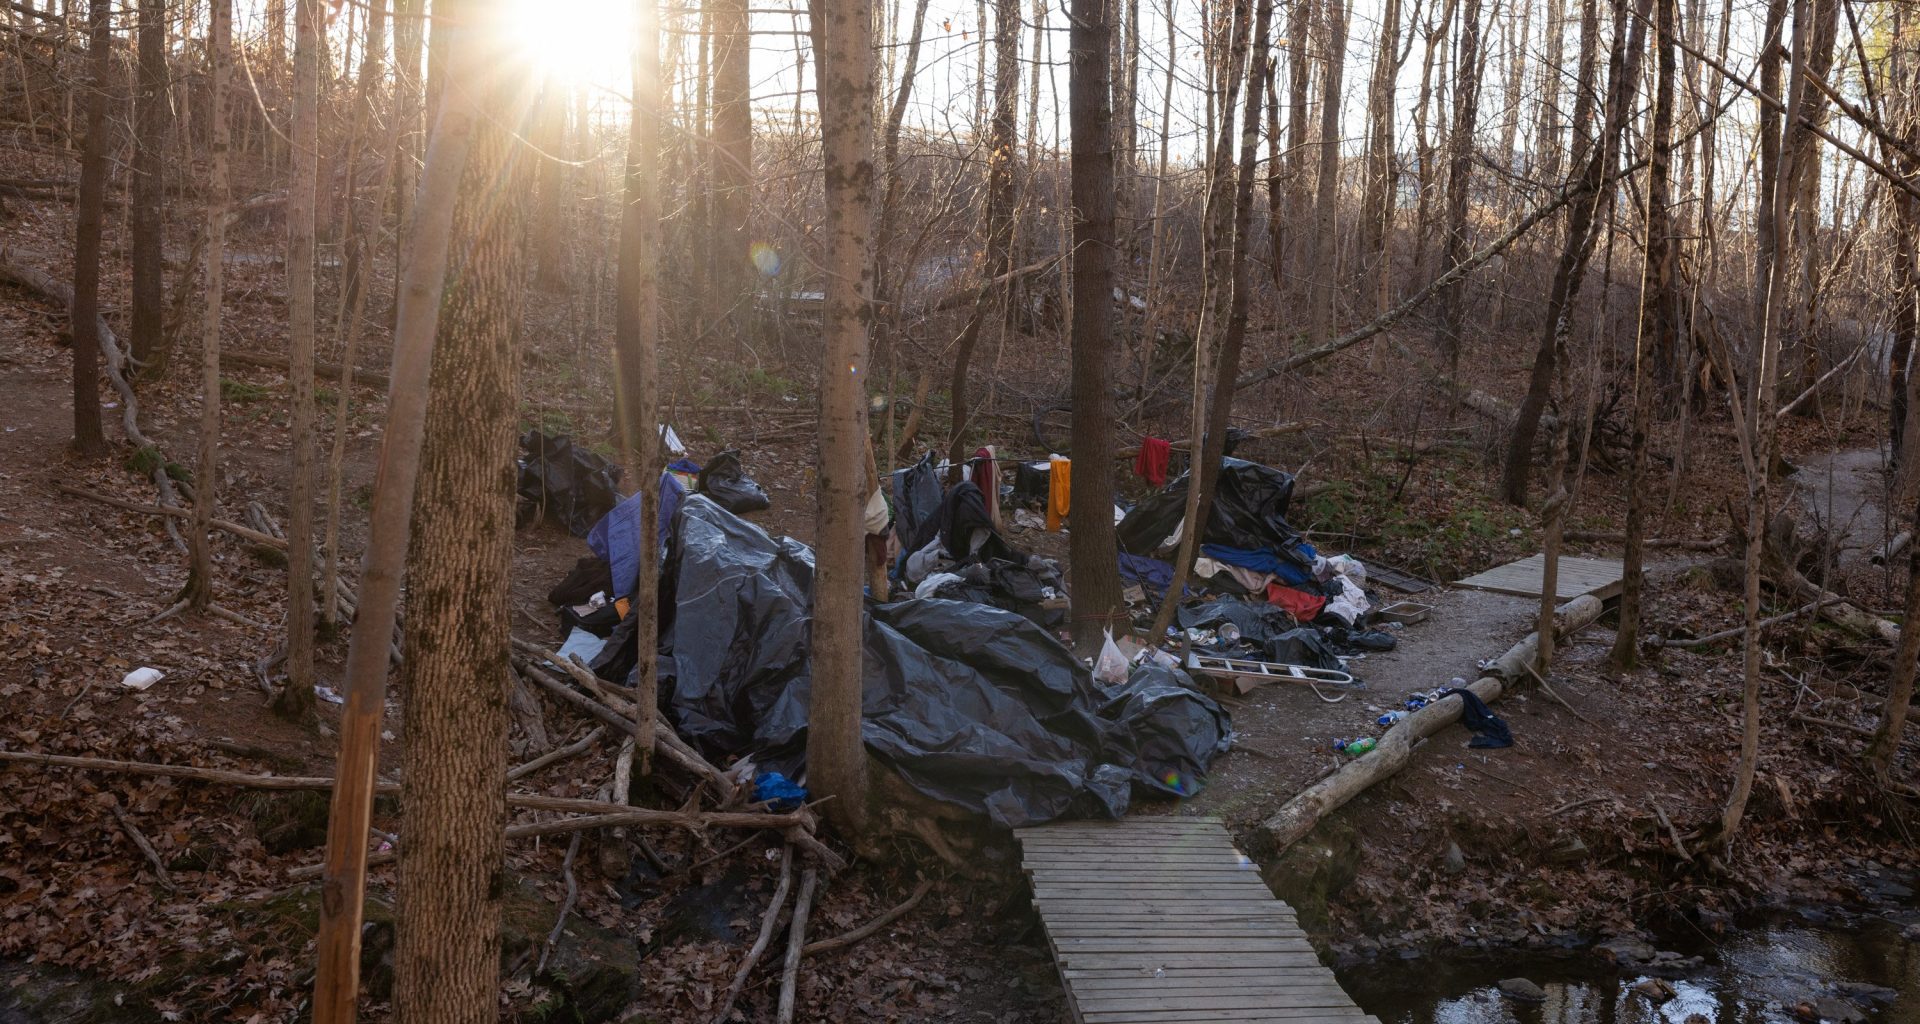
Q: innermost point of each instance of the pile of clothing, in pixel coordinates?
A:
(1249, 557)
(950, 548)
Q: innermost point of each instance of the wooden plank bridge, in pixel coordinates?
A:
(1161, 919)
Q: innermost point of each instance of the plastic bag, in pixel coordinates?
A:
(727, 483)
(1249, 511)
(564, 482)
(1111, 667)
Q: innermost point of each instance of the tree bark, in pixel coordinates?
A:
(1376, 210)
(732, 158)
(1906, 658)
(636, 348)
(1466, 102)
(423, 282)
(88, 438)
(458, 650)
(836, 756)
(1229, 233)
(199, 590)
(1326, 241)
(295, 701)
(1658, 333)
(1095, 596)
(146, 220)
(1596, 162)
(549, 228)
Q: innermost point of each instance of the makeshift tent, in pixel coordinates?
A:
(971, 705)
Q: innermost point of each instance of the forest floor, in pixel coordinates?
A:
(1550, 844)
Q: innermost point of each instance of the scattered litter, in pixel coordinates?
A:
(777, 791)
(328, 694)
(141, 678)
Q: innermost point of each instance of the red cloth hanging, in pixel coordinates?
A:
(1151, 464)
(983, 476)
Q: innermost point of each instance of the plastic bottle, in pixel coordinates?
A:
(1357, 747)
(1387, 720)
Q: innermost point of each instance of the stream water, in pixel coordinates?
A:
(1758, 975)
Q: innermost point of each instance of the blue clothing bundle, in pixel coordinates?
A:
(1293, 571)
(1489, 731)
(615, 538)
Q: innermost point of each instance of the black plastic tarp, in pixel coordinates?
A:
(972, 705)
(564, 482)
(1249, 511)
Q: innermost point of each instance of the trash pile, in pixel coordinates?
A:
(950, 548)
(968, 695)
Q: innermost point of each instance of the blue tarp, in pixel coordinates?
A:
(613, 538)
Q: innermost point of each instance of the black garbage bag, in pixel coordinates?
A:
(1249, 511)
(1302, 646)
(725, 481)
(916, 499)
(1031, 482)
(566, 483)
(1177, 731)
(972, 705)
(1258, 622)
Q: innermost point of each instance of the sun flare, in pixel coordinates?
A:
(579, 41)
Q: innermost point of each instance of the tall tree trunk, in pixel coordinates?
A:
(409, 24)
(1326, 274)
(146, 213)
(549, 227)
(1657, 335)
(1126, 132)
(206, 472)
(88, 438)
(1376, 211)
(1227, 232)
(1548, 125)
(836, 756)
(1096, 581)
(1758, 440)
(890, 161)
(1768, 121)
(454, 703)
(1300, 29)
(296, 699)
(732, 159)
(423, 283)
(1002, 149)
(1466, 102)
(1893, 717)
(1596, 161)
(636, 331)
(1801, 344)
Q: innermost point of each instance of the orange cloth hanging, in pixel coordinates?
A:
(1059, 490)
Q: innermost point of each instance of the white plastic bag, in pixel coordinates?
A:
(1111, 667)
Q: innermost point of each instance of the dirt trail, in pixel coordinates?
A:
(1845, 492)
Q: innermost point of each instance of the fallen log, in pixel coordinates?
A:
(559, 754)
(845, 939)
(330, 371)
(1299, 815)
(1837, 609)
(236, 529)
(1728, 634)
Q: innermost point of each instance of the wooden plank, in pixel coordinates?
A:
(1292, 1015)
(1113, 981)
(1227, 878)
(1074, 944)
(1147, 958)
(1575, 576)
(1161, 929)
(1325, 997)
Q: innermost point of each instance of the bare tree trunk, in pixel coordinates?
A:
(1765, 230)
(1906, 658)
(1096, 580)
(732, 158)
(836, 755)
(1326, 238)
(1001, 151)
(295, 701)
(1801, 345)
(636, 356)
(1548, 128)
(408, 34)
(146, 213)
(1229, 232)
(1757, 442)
(206, 473)
(424, 276)
(1466, 101)
(550, 240)
(1300, 29)
(1657, 334)
(1126, 130)
(1376, 211)
(1596, 161)
(454, 704)
(88, 438)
